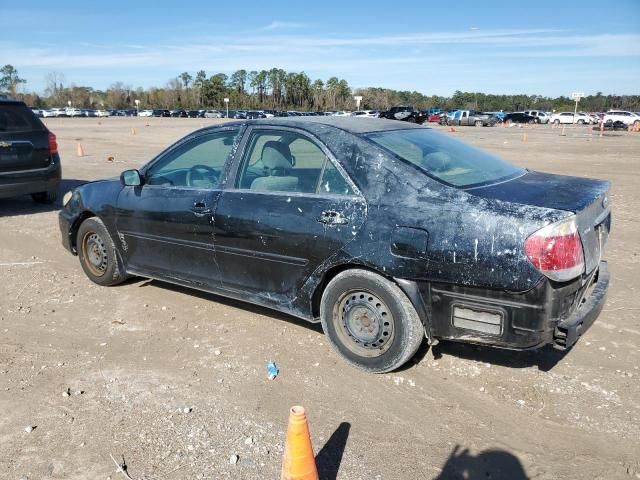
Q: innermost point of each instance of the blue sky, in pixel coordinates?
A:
(535, 47)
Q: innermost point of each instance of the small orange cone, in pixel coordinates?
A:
(524, 137)
(562, 133)
(79, 150)
(133, 131)
(298, 462)
(452, 130)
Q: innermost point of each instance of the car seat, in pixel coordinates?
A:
(277, 161)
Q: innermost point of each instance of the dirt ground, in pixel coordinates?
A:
(175, 380)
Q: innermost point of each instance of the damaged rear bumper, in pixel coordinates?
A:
(571, 328)
(548, 314)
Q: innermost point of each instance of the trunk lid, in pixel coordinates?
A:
(24, 141)
(587, 198)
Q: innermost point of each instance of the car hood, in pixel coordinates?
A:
(558, 192)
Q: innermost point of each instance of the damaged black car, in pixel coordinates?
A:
(384, 232)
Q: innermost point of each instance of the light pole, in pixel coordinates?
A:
(358, 99)
(576, 96)
(226, 102)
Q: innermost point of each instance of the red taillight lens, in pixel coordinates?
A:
(53, 144)
(556, 250)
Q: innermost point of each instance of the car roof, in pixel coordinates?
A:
(346, 123)
(10, 101)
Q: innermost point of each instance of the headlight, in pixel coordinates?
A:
(66, 198)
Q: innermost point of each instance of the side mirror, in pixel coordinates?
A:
(131, 178)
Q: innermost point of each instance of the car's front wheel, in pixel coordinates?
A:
(97, 253)
(581, 122)
(369, 321)
(557, 122)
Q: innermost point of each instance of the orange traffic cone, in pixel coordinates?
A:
(524, 137)
(452, 130)
(563, 134)
(298, 462)
(79, 150)
(133, 131)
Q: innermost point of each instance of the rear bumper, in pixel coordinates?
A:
(44, 180)
(568, 331)
(548, 314)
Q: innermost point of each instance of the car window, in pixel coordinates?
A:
(18, 118)
(282, 161)
(197, 164)
(333, 182)
(444, 158)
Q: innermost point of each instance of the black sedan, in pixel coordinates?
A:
(519, 117)
(383, 231)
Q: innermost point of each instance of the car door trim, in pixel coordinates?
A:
(271, 257)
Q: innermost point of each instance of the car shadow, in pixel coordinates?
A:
(494, 464)
(24, 204)
(230, 302)
(329, 457)
(543, 358)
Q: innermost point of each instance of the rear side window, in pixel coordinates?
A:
(446, 159)
(18, 118)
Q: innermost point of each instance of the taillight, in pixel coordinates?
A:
(556, 250)
(53, 144)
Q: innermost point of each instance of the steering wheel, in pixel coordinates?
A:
(200, 173)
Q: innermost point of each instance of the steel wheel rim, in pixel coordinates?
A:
(364, 323)
(94, 253)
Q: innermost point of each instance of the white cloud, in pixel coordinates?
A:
(280, 25)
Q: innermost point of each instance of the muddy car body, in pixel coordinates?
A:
(402, 233)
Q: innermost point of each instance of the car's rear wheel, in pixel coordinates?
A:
(44, 197)
(97, 253)
(557, 122)
(581, 122)
(478, 123)
(369, 321)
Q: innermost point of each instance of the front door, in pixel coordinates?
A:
(290, 210)
(166, 224)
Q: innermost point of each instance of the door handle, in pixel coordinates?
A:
(331, 217)
(200, 209)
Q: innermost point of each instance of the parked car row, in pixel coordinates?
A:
(404, 113)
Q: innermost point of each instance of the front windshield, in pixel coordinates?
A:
(444, 158)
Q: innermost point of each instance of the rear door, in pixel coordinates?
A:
(280, 222)
(24, 141)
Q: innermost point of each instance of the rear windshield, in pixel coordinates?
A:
(444, 158)
(18, 118)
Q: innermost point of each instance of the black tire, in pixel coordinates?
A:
(478, 123)
(97, 253)
(581, 122)
(369, 321)
(44, 197)
(557, 122)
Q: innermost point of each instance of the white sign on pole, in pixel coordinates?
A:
(576, 96)
(358, 99)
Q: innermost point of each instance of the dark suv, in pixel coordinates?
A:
(29, 160)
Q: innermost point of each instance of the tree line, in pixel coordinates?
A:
(280, 90)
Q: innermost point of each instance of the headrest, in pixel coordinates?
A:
(276, 156)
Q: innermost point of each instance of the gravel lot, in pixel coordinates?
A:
(175, 380)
